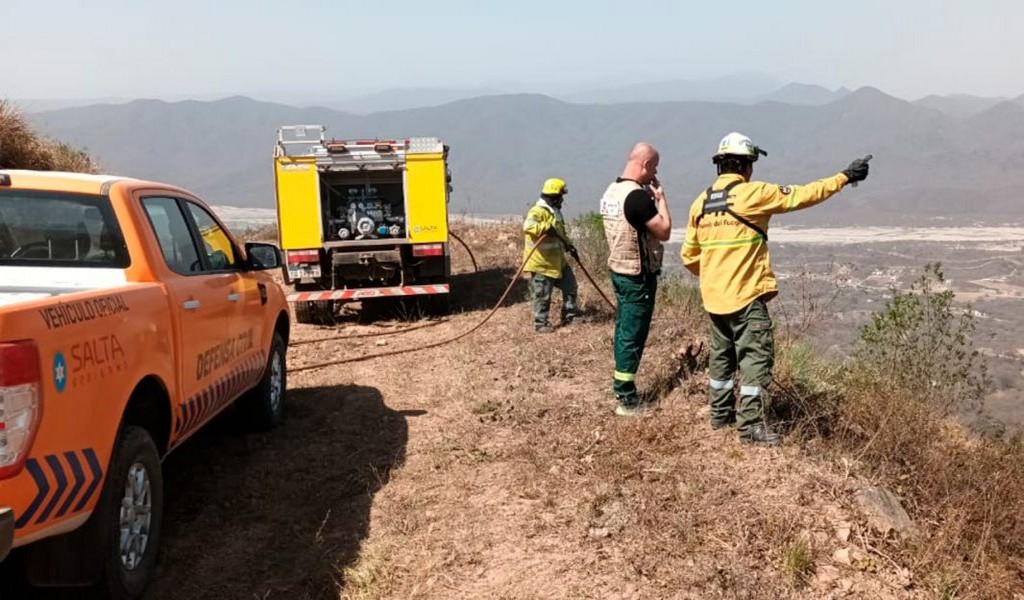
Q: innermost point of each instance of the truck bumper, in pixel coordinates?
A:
(364, 293)
(6, 531)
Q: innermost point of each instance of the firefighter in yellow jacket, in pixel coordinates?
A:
(726, 246)
(547, 265)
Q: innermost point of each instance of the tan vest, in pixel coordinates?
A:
(623, 242)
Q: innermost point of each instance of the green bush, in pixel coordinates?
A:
(921, 343)
(587, 233)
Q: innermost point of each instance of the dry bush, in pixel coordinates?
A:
(22, 148)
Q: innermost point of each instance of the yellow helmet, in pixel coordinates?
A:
(554, 187)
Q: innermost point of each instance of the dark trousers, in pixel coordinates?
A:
(542, 285)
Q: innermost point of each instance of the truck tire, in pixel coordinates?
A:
(439, 305)
(262, 407)
(316, 312)
(125, 527)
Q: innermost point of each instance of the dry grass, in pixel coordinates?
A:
(22, 148)
(963, 492)
(516, 480)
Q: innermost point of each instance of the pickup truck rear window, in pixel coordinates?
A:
(42, 229)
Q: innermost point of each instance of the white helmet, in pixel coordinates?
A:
(737, 144)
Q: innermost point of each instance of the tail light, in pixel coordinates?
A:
(428, 250)
(303, 256)
(21, 405)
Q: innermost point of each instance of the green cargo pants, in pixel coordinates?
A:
(634, 295)
(743, 338)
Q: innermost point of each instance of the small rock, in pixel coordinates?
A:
(842, 556)
(846, 584)
(843, 531)
(381, 343)
(599, 532)
(884, 511)
(826, 574)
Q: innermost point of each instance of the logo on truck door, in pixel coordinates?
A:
(60, 372)
(91, 360)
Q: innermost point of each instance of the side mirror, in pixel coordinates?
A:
(262, 256)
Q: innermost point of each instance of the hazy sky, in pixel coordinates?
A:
(175, 48)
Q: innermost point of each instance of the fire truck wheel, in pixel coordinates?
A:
(317, 312)
(128, 518)
(263, 406)
(439, 305)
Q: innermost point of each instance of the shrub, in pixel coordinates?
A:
(920, 342)
(22, 148)
(587, 232)
(915, 365)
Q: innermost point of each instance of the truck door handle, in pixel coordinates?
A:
(233, 296)
(190, 304)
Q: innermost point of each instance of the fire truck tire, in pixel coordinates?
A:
(439, 305)
(262, 407)
(318, 312)
(126, 525)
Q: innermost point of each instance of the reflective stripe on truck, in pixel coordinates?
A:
(359, 294)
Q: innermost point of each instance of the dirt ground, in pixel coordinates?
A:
(494, 468)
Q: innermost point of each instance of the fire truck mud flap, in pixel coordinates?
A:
(6, 531)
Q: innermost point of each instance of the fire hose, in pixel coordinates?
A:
(486, 318)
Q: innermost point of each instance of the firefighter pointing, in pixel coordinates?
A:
(545, 230)
(727, 247)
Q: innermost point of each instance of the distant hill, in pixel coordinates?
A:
(929, 167)
(805, 94)
(406, 98)
(959, 105)
(742, 88)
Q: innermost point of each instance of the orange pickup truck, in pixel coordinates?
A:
(129, 317)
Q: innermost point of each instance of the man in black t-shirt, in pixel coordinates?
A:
(636, 222)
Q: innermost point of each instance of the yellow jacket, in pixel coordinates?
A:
(549, 259)
(730, 257)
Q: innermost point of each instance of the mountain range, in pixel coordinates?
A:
(933, 164)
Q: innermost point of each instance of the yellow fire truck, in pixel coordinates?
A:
(361, 219)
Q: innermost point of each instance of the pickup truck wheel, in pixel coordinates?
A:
(129, 515)
(263, 406)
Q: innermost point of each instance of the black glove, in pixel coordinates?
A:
(858, 169)
(574, 252)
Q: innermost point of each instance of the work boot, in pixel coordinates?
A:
(633, 410)
(543, 329)
(760, 435)
(722, 422)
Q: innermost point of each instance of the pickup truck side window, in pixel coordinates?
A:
(172, 233)
(220, 252)
(50, 229)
